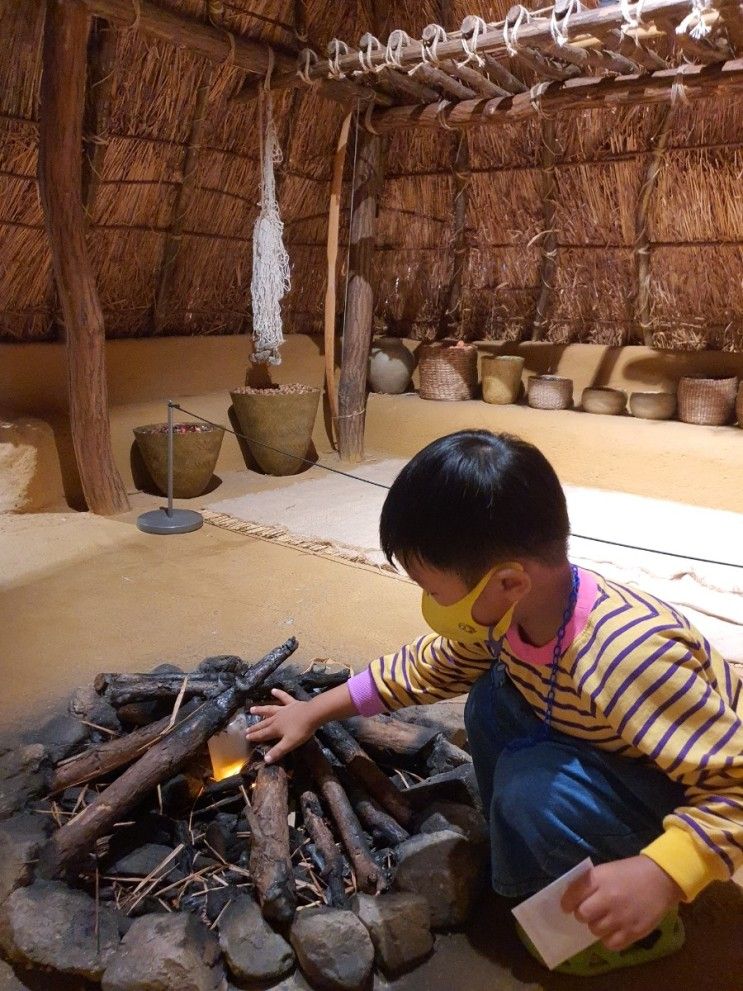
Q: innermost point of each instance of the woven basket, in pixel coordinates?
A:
(609, 402)
(707, 401)
(448, 371)
(739, 405)
(550, 392)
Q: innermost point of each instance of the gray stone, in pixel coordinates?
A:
(21, 778)
(166, 953)
(333, 947)
(21, 837)
(400, 927)
(442, 756)
(146, 859)
(453, 815)
(87, 704)
(61, 736)
(51, 925)
(459, 785)
(252, 950)
(8, 979)
(447, 717)
(447, 870)
(167, 669)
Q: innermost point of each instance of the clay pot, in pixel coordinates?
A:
(739, 405)
(653, 405)
(391, 365)
(501, 378)
(195, 451)
(550, 392)
(609, 402)
(280, 417)
(707, 401)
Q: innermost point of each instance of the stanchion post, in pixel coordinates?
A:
(167, 519)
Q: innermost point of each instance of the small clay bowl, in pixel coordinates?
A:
(609, 402)
(653, 405)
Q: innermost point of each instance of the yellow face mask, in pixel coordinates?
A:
(456, 622)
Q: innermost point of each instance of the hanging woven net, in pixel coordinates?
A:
(271, 279)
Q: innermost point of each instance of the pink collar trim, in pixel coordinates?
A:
(543, 655)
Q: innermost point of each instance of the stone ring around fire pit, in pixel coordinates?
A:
(124, 862)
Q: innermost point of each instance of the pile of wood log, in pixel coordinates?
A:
(313, 830)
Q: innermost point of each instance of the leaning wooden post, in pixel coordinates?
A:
(454, 314)
(60, 184)
(360, 298)
(549, 232)
(643, 319)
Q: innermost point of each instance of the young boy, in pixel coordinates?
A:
(601, 723)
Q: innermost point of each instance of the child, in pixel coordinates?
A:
(601, 723)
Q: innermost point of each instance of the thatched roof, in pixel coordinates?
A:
(695, 222)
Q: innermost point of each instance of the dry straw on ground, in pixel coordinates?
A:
(695, 222)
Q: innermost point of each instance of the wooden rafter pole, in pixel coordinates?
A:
(216, 44)
(360, 298)
(60, 184)
(643, 318)
(548, 265)
(584, 92)
(180, 207)
(453, 314)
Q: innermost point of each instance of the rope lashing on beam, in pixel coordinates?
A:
(511, 31)
(368, 44)
(336, 50)
(433, 35)
(229, 58)
(477, 26)
(695, 20)
(441, 109)
(632, 14)
(559, 23)
(307, 58)
(393, 52)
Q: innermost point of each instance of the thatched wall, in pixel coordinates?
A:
(695, 224)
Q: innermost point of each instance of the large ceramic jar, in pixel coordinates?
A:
(391, 366)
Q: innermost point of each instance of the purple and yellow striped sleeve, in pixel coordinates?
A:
(428, 670)
(680, 713)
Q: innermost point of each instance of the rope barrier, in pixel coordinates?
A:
(382, 485)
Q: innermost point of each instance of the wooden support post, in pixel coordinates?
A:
(549, 234)
(175, 234)
(453, 315)
(360, 298)
(643, 318)
(101, 67)
(60, 185)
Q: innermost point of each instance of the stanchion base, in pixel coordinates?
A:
(178, 521)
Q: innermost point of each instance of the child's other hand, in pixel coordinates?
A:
(290, 723)
(622, 901)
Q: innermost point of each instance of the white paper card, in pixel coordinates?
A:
(557, 935)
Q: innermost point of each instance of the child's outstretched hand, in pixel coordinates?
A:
(622, 901)
(291, 723)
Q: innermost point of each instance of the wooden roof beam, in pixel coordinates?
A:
(584, 24)
(585, 92)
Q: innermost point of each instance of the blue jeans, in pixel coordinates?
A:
(554, 803)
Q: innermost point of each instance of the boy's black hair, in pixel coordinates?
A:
(472, 499)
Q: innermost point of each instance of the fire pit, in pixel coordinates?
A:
(129, 859)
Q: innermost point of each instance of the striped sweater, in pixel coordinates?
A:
(635, 678)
